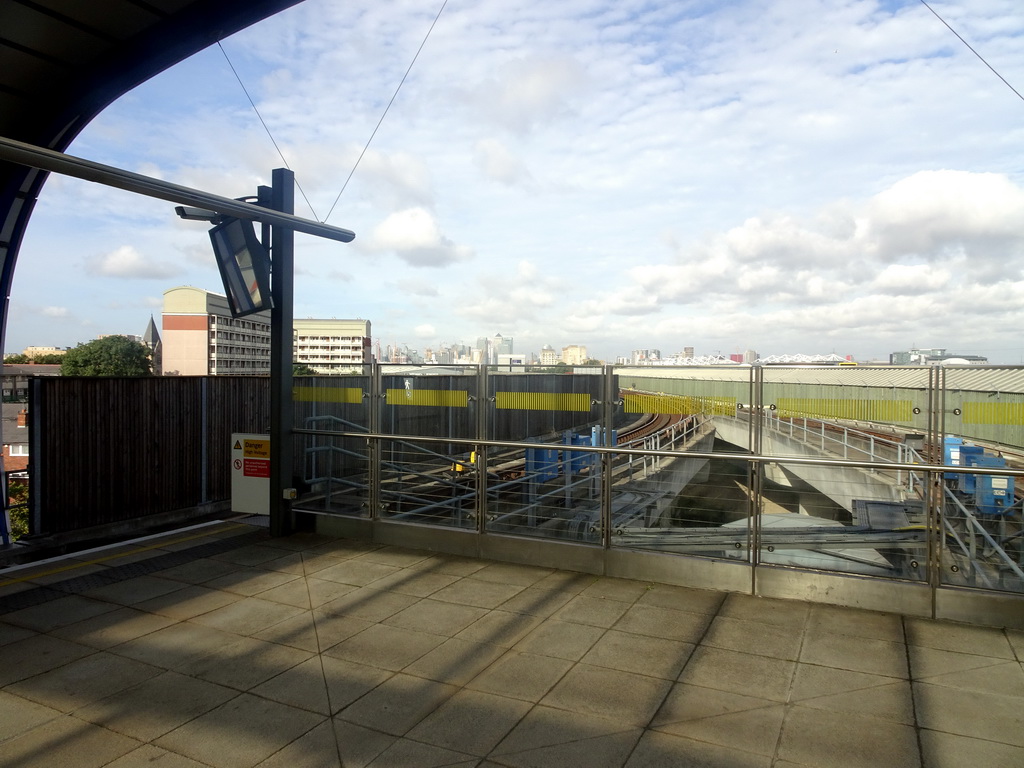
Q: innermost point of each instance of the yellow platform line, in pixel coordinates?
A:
(99, 560)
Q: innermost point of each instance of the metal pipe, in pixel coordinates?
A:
(69, 165)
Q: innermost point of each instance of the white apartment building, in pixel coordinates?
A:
(332, 346)
(574, 354)
(201, 338)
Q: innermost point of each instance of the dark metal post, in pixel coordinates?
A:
(282, 249)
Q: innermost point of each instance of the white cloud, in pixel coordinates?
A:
(56, 311)
(414, 236)
(776, 176)
(127, 262)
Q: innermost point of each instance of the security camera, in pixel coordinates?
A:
(198, 214)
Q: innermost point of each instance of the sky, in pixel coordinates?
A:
(785, 176)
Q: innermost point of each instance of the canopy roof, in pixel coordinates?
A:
(63, 61)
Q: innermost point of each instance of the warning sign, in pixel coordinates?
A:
(256, 449)
(256, 468)
(250, 473)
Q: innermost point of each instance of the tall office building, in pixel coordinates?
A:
(201, 338)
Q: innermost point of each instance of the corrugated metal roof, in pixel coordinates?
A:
(973, 378)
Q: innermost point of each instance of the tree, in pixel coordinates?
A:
(301, 369)
(16, 359)
(109, 356)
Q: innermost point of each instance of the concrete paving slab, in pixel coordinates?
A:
(651, 656)
(666, 623)
(368, 604)
(595, 611)
(481, 594)
(303, 686)
(415, 582)
(198, 571)
(315, 749)
(406, 752)
(9, 633)
(188, 602)
(357, 572)
(735, 672)
(113, 628)
(500, 627)
(859, 654)
(247, 616)
(523, 676)
(816, 737)
(682, 598)
(250, 581)
(156, 706)
(254, 554)
(66, 742)
(58, 613)
(38, 654)
(560, 639)
(455, 661)
(436, 616)
(1006, 678)
(132, 591)
(988, 716)
(386, 647)
(513, 573)
(175, 645)
(624, 590)
(963, 638)
(398, 557)
(727, 719)
(239, 733)
(555, 738)
(153, 757)
(632, 699)
(754, 637)
(83, 680)
(947, 750)
(18, 715)
(786, 613)
(398, 704)
(663, 750)
(245, 663)
(841, 690)
(839, 620)
(535, 601)
(471, 722)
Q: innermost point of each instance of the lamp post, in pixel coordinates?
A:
(245, 262)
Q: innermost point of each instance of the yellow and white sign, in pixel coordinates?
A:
(250, 474)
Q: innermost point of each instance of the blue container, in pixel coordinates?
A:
(578, 460)
(969, 457)
(993, 495)
(951, 455)
(542, 463)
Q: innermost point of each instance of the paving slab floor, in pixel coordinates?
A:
(221, 646)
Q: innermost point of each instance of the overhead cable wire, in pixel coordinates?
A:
(980, 57)
(384, 114)
(266, 128)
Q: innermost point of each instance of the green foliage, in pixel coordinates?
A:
(17, 359)
(19, 509)
(48, 359)
(109, 356)
(301, 369)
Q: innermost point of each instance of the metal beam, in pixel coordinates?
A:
(69, 165)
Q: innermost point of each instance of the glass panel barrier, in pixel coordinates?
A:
(332, 472)
(431, 482)
(841, 517)
(983, 428)
(550, 491)
(684, 505)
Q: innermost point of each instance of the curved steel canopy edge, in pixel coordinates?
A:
(61, 64)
